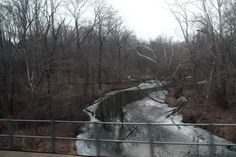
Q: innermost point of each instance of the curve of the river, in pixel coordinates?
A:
(147, 110)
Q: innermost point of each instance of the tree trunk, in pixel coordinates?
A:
(5, 104)
(221, 93)
(100, 65)
(7, 86)
(48, 81)
(119, 62)
(87, 79)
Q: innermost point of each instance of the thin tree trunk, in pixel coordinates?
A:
(119, 62)
(87, 79)
(5, 106)
(100, 65)
(48, 81)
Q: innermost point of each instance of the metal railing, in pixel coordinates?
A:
(10, 134)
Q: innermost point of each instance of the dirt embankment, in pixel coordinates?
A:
(200, 110)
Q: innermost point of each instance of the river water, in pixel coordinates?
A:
(147, 110)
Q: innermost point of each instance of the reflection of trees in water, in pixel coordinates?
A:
(111, 110)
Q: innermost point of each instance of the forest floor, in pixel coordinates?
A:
(198, 110)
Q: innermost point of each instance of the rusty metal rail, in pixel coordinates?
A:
(11, 133)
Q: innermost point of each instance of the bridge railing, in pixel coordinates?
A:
(10, 134)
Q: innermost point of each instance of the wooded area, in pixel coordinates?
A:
(59, 49)
(56, 56)
(50, 46)
(53, 49)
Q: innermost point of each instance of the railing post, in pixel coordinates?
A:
(211, 140)
(197, 146)
(97, 139)
(196, 140)
(53, 134)
(11, 134)
(150, 140)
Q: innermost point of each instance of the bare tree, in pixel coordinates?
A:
(209, 22)
(106, 22)
(184, 17)
(230, 30)
(77, 9)
(215, 32)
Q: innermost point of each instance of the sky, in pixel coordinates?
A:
(148, 18)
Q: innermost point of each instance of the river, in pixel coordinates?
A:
(144, 109)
